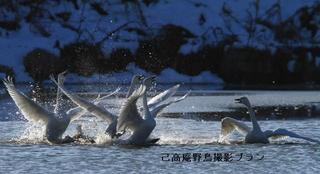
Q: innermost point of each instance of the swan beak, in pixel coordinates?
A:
(237, 100)
(140, 77)
(153, 77)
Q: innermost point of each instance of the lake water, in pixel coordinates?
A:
(23, 151)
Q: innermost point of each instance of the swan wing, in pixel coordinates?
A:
(90, 107)
(157, 109)
(76, 113)
(228, 125)
(101, 99)
(163, 96)
(112, 129)
(129, 116)
(279, 133)
(73, 112)
(59, 104)
(30, 109)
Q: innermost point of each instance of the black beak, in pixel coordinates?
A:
(237, 100)
(153, 77)
(140, 77)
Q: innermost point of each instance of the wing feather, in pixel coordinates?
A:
(228, 125)
(29, 109)
(129, 115)
(280, 133)
(90, 107)
(163, 96)
(59, 104)
(157, 109)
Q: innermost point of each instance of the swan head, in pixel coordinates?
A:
(149, 81)
(136, 79)
(243, 100)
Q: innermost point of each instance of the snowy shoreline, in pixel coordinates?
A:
(14, 45)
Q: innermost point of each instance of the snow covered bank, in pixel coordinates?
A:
(166, 76)
(205, 19)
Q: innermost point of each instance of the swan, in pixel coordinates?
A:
(95, 109)
(130, 118)
(102, 113)
(254, 135)
(55, 123)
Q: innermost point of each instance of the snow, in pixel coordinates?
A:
(182, 13)
(168, 75)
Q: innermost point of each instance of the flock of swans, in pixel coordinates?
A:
(139, 120)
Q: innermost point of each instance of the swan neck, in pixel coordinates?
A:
(130, 89)
(254, 121)
(145, 106)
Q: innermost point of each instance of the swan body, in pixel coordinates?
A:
(129, 118)
(254, 134)
(55, 123)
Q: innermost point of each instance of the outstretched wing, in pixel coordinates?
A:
(157, 109)
(76, 113)
(162, 96)
(129, 116)
(59, 104)
(285, 133)
(96, 101)
(101, 99)
(30, 110)
(90, 107)
(228, 125)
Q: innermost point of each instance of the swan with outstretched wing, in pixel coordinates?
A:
(55, 123)
(141, 125)
(92, 108)
(254, 134)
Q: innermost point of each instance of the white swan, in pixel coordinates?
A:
(55, 124)
(102, 113)
(254, 135)
(130, 118)
(97, 110)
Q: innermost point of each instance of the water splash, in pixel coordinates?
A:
(176, 140)
(102, 138)
(33, 134)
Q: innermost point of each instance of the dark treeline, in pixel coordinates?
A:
(293, 58)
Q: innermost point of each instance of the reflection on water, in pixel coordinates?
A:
(23, 150)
